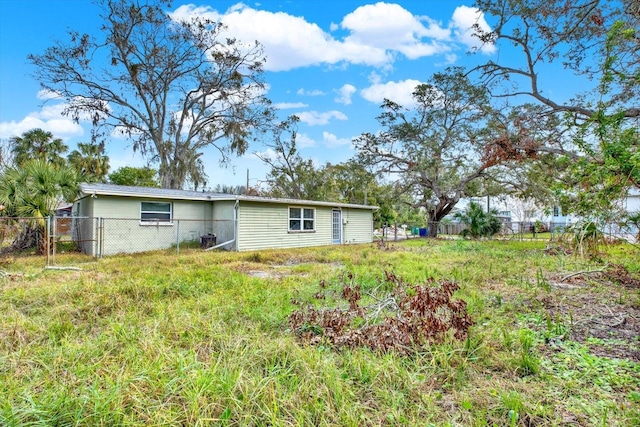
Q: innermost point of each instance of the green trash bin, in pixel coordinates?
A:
(414, 231)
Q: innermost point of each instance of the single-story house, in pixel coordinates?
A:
(121, 219)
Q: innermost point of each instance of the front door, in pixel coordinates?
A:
(336, 229)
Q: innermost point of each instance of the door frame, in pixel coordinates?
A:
(335, 217)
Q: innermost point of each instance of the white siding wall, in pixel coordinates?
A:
(266, 225)
(263, 225)
(358, 225)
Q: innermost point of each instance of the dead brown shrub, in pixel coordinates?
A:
(404, 319)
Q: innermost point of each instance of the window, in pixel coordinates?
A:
(155, 212)
(556, 211)
(302, 219)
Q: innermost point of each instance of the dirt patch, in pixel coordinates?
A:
(267, 274)
(600, 308)
(278, 271)
(612, 330)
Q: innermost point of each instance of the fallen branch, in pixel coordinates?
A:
(610, 325)
(619, 322)
(579, 273)
(379, 307)
(52, 267)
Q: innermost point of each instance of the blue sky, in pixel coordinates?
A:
(330, 62)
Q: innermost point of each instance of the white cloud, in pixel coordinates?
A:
(304, 141)
(345, 93)
(269, 153)
(392, 28)
(313, 118)
(289, 41)
(53, 111)
(462, 22)
(332, 141)
(309, 92)
(399, 92)
(63, 128)
(375, 35)
(49, 118)
(374, 78)
(289, 105)
(451, 58)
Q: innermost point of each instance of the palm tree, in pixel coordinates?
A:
(38, 144)
(90, 162)
(34, 190)
(479, 223)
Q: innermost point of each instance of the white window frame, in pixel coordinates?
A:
(156, 221)
(301, 219)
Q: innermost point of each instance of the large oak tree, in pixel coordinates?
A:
(173, 87)
(439, 149)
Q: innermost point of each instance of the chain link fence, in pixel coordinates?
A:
(117, 235)
(84, 239)
(516, 230)
(73, 240)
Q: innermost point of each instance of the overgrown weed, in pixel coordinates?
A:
(157, 339)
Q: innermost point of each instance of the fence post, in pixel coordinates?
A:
(53, 239)
(48, 239)
(178, 237)
(96, 237)
(101, 237)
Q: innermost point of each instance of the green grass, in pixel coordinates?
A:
(203, 339)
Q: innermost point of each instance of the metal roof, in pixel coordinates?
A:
(157, 193)
(164, 193)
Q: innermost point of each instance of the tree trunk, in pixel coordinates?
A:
(436, 215)
(172, 175)
(30, 237)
